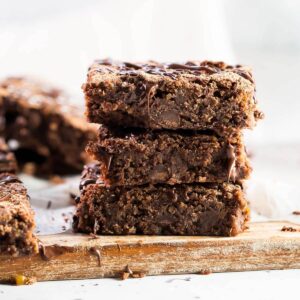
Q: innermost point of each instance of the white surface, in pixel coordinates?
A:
(264, 285)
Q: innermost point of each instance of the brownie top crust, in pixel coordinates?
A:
(189, 70)
(32, 93)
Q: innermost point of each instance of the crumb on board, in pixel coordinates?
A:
(49, 204)
(289, 229)
(23, 280)
(128, 273)
(205, 272)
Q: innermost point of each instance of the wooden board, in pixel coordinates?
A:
(68, 256)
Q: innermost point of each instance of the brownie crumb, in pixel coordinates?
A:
(124, 275)
(128, 273)
(296, 212)
(23, 280)
(205, 272)
(93, 236)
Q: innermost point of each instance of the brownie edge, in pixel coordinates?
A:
(187, 209)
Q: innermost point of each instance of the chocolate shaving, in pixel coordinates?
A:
(289, 229)
(10, 179)
(49, 204)
(96, 252)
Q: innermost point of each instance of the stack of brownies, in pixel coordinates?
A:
(171, 158)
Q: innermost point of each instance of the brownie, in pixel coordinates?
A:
(7, 159)
(137, 156)
(217, 209)
(43, 128)
(195, 95)
(16, 216)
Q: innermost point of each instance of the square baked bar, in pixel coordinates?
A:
(16, 216)
(138, 156)
(187, 209)
(195, 95)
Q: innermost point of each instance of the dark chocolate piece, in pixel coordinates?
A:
(186, 209)
(136, 157)
(196, 95)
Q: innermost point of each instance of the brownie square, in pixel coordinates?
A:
(136, 157)
(195, 95)
(217, 209)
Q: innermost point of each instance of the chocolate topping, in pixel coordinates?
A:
(152, 67)
(231, 162)
(9, 179)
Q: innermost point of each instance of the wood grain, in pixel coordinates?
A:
(263, 247)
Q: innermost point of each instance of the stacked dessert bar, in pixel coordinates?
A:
(171, 157)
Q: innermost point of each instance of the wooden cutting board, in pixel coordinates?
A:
(74, 256)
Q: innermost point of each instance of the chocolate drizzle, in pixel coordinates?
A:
(193, 68)
(86, 182)
(171, 70)
(9, 179)
(231, 163)
(90, 175)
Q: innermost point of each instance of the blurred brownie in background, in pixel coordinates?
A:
(42, 128)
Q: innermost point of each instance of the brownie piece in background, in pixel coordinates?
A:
(136, 156)
(195, 95)
(16, 216)
(186, 209)
(42, 128)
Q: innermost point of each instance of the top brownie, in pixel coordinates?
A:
(195, 95)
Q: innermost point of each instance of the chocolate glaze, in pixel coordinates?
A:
(9, 179)
(172, 69)
(90, 175)
(231, 163)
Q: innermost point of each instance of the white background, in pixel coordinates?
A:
(57, 40)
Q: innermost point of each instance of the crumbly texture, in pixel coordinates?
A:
(186, 209)
(42, 128)
(195, 95)
(16, 218)
(7, 159)
(136, 157)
